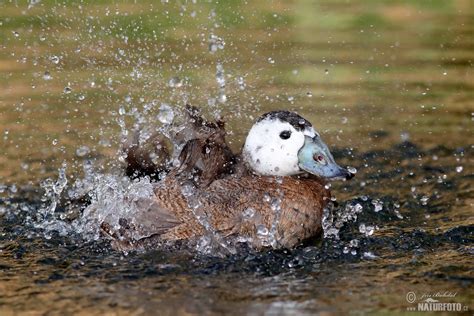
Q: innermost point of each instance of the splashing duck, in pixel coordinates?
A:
(272, 194)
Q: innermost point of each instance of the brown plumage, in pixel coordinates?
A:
(234, 207)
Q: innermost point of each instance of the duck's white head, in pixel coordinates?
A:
(282, 143)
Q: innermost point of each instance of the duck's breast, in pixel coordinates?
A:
(289, 208)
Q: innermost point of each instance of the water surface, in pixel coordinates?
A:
(389, 84)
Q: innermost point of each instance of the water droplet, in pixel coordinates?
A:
(369, 255)
(47, 76)
(222, 97)
(166, 114)
(13, 188)
(220, 76)
(241, 83)
(175, 82)
(275, 204)
(262, 231)
(357, 208)
(378, 205)
(248, 213)
(211, 102)
(397, 213)
(32, 3)
(54, 59)
(405, 136)
(367, 230)
(215, 43)
(424, 200)
(82, 151)
(354, 243)
(352, 170)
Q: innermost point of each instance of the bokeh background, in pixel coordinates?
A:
(366, 73)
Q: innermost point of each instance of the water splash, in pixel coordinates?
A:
(220, 78)
(212, 242)
(215, 43)
(113, 198)
(166, 114)
(53, 191)
(52, 197)
(333, 220)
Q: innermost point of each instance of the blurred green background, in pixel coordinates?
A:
(366, 73)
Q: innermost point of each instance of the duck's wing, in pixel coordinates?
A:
(146, 158)
(205, 160)
(196, 127)
(204, 155)
(165, 216)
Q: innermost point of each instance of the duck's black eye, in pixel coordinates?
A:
(285, 134)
